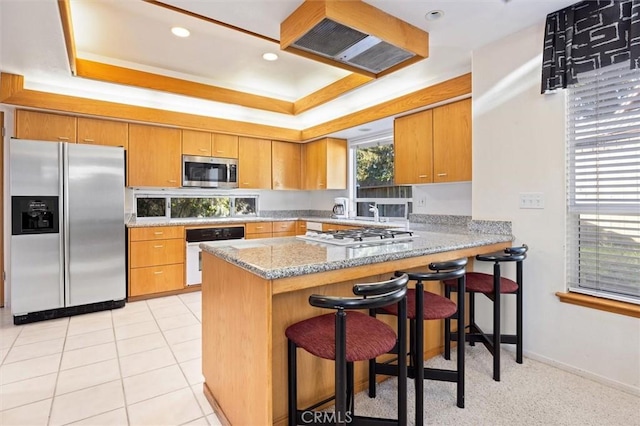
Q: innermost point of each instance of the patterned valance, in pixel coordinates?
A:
(587, 36)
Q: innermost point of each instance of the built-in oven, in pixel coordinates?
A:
(206, 235)
(211, 172)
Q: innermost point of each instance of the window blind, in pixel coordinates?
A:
(603, 184)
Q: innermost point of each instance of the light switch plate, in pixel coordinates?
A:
(531, 200)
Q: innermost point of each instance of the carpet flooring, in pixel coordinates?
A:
(531, 393)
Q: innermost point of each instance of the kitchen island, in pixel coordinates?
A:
(254, 289)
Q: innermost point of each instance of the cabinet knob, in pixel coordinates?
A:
(202, 149)
(422, 176)
(88, 140)
(63, 138)
(219, 151)
(158, 233)
(160, 246)
(158, 272)
(172, 181)
(441, 174)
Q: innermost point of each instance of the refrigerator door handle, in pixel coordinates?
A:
(64, 170)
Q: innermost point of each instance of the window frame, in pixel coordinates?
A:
(382, 138)
(591, 193)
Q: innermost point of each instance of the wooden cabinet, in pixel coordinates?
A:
(336, 227)
(434, 145)
(154, 156)
(156, 260)
(254, 163)
(253, 230)
(103, 132)
(413, 148)
(196, 143)
(286, 165)
(44, 126)
(325, 164)
(452, 142)
(301, 227)
(284, 228)
(225, 146)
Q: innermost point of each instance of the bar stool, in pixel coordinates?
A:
(492, 286)
(427, 306)
(345, 337)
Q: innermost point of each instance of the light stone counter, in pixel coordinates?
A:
(145, 223)
(274, 258)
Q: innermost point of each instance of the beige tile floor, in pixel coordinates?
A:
(139, 365)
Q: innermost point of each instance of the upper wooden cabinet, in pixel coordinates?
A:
(254, 163)
(413, 146)
(225, 146)
(452, 142)
(286, 165)
(43, 126)
(196, 143)
(103, 132)
(324, 164)
(154, 156)
(434, 145)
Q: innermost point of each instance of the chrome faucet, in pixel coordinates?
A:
(374, 210)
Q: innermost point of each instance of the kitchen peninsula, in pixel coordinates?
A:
(253, 289)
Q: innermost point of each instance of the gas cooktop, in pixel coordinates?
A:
(350, 237)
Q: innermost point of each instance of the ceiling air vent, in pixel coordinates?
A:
(353, 35)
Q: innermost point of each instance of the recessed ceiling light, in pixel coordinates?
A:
(434, 15)
(270, 56)
(364, 129)
(180, 32)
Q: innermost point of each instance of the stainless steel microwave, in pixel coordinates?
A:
(211, 172)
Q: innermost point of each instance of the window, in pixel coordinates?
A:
(603, 155)
(175, 206)
(372, 180)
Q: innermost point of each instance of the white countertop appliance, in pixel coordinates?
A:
(340, 208)
(68, 241)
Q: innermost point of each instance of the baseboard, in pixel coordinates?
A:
(586, 374)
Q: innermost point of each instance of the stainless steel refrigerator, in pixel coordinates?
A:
(68, 243)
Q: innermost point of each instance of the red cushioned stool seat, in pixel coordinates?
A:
(435, 306)
(483, 283)
(367, 337)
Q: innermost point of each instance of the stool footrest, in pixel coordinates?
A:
(429, 373)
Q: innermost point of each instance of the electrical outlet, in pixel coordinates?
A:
(421, 201)
(531, 200)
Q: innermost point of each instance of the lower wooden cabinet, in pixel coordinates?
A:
(156, 260)
(156, 279)
(285, 228)
(253, 230)
(301, 227)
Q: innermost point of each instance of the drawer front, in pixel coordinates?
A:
(153, 253)
(258, 227)
(156, 233)
(156, 279)
(284, 226)
(258, 235)
(284, 234)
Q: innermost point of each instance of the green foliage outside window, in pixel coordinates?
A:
(374, 166)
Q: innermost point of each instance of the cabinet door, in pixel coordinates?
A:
(156, 279)
(154, 253)
(301, 227)
(43, 126)
(103, 132)
(336, 162)
(452, 142)
(286, 165)
(196, 143)
(225, 146)
(413, 145)
(315, 164)
(154, 156)
(254, 163)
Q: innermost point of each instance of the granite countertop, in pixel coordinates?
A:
(275, 258)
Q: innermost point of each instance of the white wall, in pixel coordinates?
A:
(518, 146)
(442, 198)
